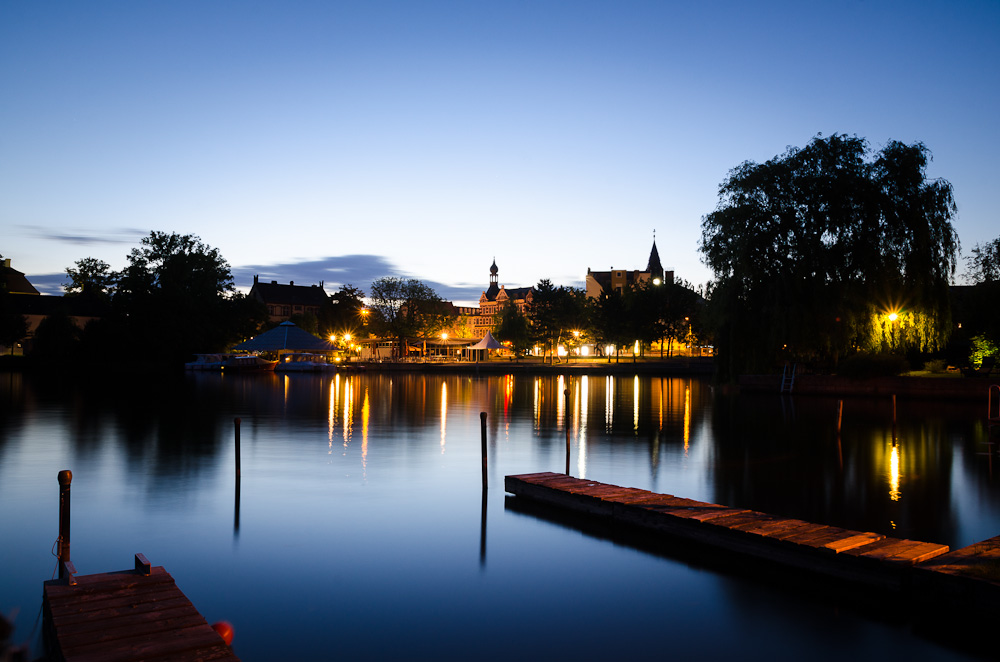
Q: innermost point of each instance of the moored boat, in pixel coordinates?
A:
(247, 363)
(211, 362)
(303, 362)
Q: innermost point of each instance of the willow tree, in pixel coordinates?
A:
(821, 250)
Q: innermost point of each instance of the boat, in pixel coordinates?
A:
(211, 362)
(303, 362)
(247, 363)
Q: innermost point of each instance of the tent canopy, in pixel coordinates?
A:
(285, 336)
(488, 342)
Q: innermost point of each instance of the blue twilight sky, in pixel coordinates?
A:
(343, 141)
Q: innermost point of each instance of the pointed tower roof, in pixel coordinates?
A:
(654, 267)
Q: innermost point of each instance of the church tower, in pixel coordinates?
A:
(654, 268)
(494, 288)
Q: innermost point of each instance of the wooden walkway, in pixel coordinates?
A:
(869, 558)
(128, 615)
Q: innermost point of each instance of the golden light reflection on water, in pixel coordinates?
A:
(687, 418)
(444, 413)
(609, 403)
(537, 409)
(561, 420)
(365, 413)
(635, 403)
(331, 414)
(582, 411)
(348, 411)
(894, 493)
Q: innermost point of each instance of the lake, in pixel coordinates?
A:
(360, 530)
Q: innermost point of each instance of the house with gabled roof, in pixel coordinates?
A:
(283, 301)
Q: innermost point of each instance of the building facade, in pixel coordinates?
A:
(283, 301)
(493, 300)
(621, 279)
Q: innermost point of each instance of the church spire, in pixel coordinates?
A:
(654, 268)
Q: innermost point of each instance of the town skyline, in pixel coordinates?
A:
(338, 143)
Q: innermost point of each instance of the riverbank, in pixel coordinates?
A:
(575, 366)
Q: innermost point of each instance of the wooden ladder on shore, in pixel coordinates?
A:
(788, 379)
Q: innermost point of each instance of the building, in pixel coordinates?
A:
(13, 281)
(620, 279)
(19, 297)
(493, 300)
(283, 301)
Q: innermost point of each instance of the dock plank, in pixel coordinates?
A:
(855, 555)
(127, 616)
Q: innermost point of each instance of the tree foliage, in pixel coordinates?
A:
(91, 276)
(983, 263)
(513, 327)
(176, 297)
(811, 247)
(555, 313)
(404, 307)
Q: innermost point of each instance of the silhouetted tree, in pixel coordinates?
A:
(555, 313)
(175, 297)
(13, 326)
(346, 314)
(92, 276)
(983, 263)
(56, 340)
(812, 249)
(512, 326)
(404, 307)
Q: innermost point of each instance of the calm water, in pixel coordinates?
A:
(362, 531)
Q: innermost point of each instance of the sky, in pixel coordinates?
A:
(344, 141)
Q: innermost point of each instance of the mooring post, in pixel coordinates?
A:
(65, 478)
(840, 415)
(566, 419)
(482, 425)
(894, 419)
(236, 422)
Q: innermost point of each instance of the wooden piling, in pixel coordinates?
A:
(65, 477)
(236, 423)
(482, 425)
(566, 420)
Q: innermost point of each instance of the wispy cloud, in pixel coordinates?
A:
(79, 237)
(336, 271)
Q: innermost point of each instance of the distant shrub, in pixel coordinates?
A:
(873, 365)
(935, 367)
(982, 348)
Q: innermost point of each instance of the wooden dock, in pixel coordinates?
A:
(858, 556)
(128, 615)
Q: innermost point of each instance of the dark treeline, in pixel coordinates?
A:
(835, 252)
(828, 256)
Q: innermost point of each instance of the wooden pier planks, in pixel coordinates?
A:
(861, 556)
(125, 616)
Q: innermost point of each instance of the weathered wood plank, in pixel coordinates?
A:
(856, 555)
(127, 616)
(853, 541)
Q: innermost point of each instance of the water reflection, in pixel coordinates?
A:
(397, 510)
